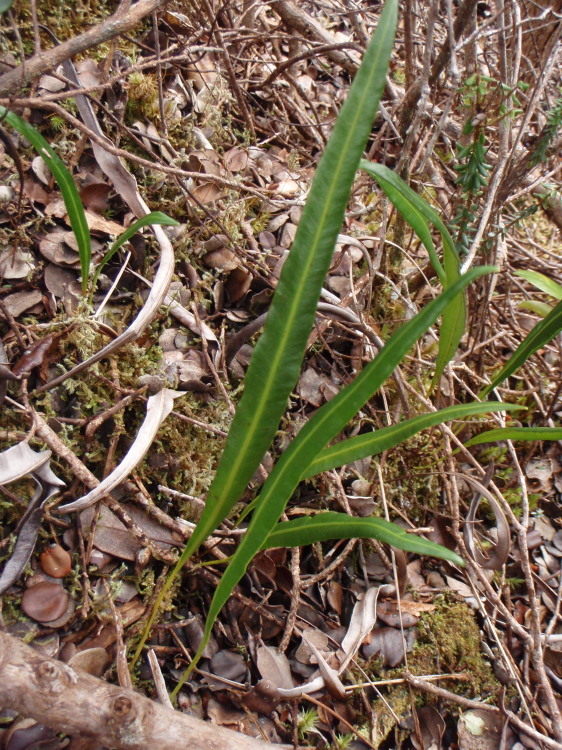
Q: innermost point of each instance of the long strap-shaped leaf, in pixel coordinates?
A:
(66, 184)
(154, 217)
(519, 434)
(331, 525)
(328, 421)
(413, 208)
(542, 282)
(541, 334)
(275, 364)
(373, 443)
(417, 212)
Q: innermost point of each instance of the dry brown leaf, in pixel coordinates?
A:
(54, 248)
(432, 728)
(329, 674)
(16, 263)
(309, 386)
(35, 355)
(97, 223)
(229, 665)
(94, 196)
(89, 72)
(206, 192)
(238, 284)
(35, 192)
(479, 730)
(45, 602)
(415, 608)
(394, 614)
(58, 279)
(286, 188)
(90, 660)
(316, 638)
(274, 667)
(113, 537)
(222, 259)
(20, 302)
(362, 621)
(499, 553)
(41, 170)
(463, 590)
(236, 159)
(388, 643)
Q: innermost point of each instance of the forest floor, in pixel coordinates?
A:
(221, 113)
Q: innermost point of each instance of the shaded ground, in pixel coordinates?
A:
(222, 113)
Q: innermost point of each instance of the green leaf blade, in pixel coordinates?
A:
(327, 422)
(521, 434)
(65, 181)
(331, 525)
(409, 204)
(542, 282)
(154, 217)
(275, 364)
(417, 212)
(373, 443)
(540, 335)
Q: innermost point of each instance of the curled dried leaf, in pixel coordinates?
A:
(157, 409)
(499, 553)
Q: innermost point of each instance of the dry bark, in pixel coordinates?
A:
(541, 32)
(112, 27)
(296, 18)
(78, 704)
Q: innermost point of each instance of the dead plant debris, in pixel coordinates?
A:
(216, 114)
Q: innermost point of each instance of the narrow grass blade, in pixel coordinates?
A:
(328, 421)
(154, 217)
(64, 179)
(325, 526)
(372, 443)
(412, 207)
(541, 334)
(516, 433)
(417, 212)
(542, 282)
(539, 308)
(275, 364)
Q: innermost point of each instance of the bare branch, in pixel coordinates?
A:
(112, 27)
(76, 703)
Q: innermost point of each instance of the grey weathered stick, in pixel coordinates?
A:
(112, 27)
(78, 704)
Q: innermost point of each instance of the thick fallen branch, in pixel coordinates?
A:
(112, 27)
(298, 19)
(78, 704)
